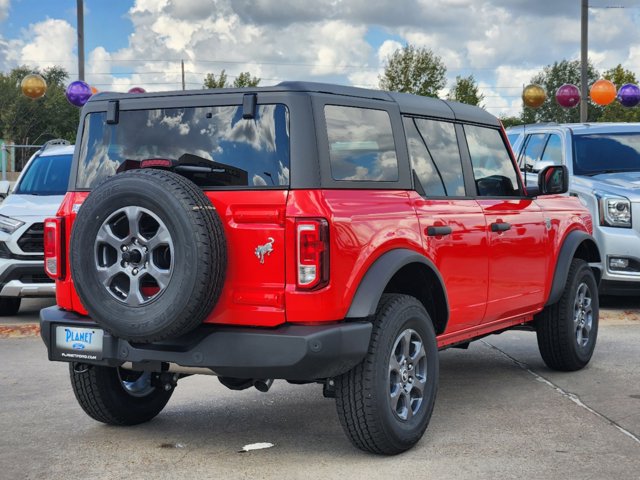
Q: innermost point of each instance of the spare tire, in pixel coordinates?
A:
(148, 255)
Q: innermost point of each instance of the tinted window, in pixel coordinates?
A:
(442, 142)
(553, 150)
(361, 145)
(494, 173)
(46, 176)
(436, 180)
(512, 138)
(232, 151)
(532, 151)
(610, 152)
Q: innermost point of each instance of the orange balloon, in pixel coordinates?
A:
(533, 96)
(94, 90)
(603, 92)
(33, 86)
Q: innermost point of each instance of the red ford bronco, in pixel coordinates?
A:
(306, 232)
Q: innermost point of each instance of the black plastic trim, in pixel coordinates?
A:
(15, 272)
(372, 286)
(291, 352)
(567, 252)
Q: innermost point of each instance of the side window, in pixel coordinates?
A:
(435, 156)
(532, 151)
(361, 145)
(494, 173)
(553, 150)
(422, 161)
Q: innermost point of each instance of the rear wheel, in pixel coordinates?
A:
(9, 306)
(567, 330)
(116, 396)
(385, 403)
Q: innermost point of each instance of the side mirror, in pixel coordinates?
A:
(5, 186)
(553, 180)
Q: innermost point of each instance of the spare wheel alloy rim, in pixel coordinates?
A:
(134, 255)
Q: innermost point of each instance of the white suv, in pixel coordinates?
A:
(36, 196)
(604, 165)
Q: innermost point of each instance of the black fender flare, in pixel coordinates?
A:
(570, 246)
(367, 296)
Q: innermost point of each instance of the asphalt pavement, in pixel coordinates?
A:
(500, 413)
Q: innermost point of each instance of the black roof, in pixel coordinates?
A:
(408, 103)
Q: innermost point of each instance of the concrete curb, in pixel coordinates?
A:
(20, 330)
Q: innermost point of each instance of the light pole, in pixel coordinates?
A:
(80, 28)
(584, 60)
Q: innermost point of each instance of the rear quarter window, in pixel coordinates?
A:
(361, 145)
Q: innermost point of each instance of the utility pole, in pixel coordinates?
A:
(80, 28)
(584, 60)
(182, 62)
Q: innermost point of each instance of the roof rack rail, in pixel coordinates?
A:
(55, 142)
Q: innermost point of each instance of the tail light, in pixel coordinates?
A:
(53, 247)
(313, 253)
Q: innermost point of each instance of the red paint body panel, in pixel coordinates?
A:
(363, 225)
(493, 280)
(517, 266)
(462, 258)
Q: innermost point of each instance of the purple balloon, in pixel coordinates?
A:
(78, 93)
(568, 96)
(137, 90)
(629, 95)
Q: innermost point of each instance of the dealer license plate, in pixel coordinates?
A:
(74, 343)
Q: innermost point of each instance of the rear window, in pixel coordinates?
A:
(610, 152)
(227, 149)
(46, 176)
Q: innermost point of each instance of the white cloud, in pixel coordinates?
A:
(503, 43)
(4, 9)
(48, 43)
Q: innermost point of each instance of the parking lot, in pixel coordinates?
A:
(500, 413)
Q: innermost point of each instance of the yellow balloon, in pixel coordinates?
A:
(533, 96)
(33, 86)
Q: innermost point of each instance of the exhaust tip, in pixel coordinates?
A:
(263, 385)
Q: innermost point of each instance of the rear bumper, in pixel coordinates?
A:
(23, 279)
(292, 352)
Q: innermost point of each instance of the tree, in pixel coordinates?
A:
(615, 112)
(27, 121)
(244, 79)
(551, 78)
(414, 70)
(466, 91)
(510, 121)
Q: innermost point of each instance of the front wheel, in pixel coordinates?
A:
(567, 330)
(116, 396)
(385, 403)
(9, 306)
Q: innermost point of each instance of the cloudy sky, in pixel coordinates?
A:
(503, 43)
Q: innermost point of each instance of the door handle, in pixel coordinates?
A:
(437, 231)
(500, 226)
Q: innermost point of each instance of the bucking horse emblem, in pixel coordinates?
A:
(266, 249)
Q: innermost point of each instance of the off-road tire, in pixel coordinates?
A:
(556, 325)
(9, 306)
(363, 395)
(199, 255)
(101, 395)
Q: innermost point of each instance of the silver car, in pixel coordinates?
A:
(604, 165)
